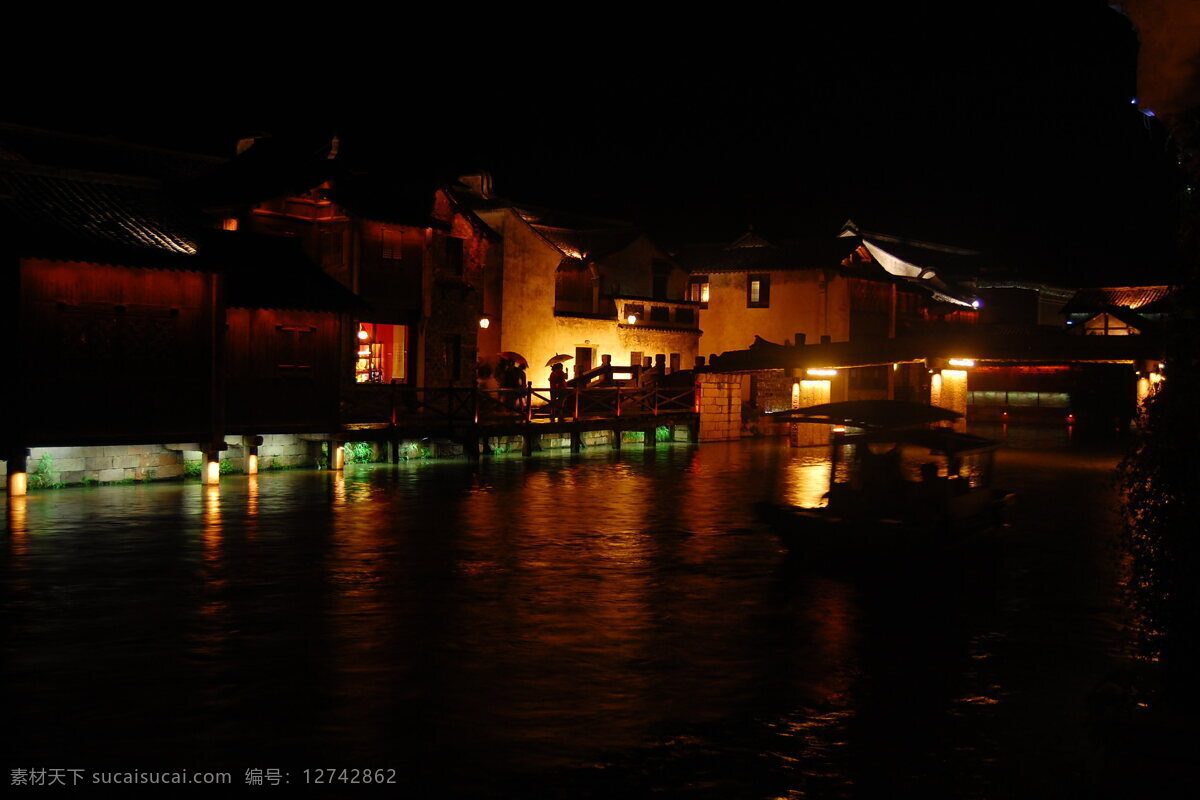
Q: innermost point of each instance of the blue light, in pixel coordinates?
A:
(975, 304)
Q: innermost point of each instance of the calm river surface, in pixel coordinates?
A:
(603, 625)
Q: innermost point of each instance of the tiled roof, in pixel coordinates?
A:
(588, 244)
(1131, 297)
(62, 214)
(48, 210)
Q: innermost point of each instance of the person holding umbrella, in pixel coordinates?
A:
(558, 386)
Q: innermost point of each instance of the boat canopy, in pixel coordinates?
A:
(942, 441)
(869, 414)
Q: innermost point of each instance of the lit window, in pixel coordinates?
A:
(698, 289)
(758, 291)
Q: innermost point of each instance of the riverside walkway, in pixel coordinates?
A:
(394, 412)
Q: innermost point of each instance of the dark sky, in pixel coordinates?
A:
(1001, 125)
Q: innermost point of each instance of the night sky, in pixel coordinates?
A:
(1005, 126)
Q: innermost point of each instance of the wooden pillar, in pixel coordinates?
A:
(616, 439)
(471, 446)
(527, 443)
(576, 439)
(650, 439)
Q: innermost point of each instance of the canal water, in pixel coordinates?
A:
(599, 625)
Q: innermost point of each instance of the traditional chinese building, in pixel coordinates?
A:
(404, 244)
(585, 287)
(141, 334)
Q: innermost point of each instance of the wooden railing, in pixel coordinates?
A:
(397, 404)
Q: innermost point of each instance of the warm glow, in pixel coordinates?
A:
(363, 335)
(948, 389)
(484, 322)
(839, 428)
(212, 472)
(339, 457)
(18, 484)
(622, 376)
(807, 480)
(252, 464)
(704, 293)
(822, 373)
(230, 224)
(805, 394)
(962, 362)
(631, 319)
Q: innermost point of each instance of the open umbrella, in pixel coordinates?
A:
(558, 359)
(870, 414)
(516, 358)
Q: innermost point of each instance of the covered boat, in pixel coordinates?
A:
(893, 489)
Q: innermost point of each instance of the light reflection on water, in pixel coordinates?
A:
(580, 625)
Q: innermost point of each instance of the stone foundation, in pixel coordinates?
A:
(720, 406)
(70, 466)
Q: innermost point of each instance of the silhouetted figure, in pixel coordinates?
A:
(558, 392)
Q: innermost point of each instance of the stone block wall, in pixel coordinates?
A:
(720, 406)
(772, 390)
(69, 466)
(101, 464)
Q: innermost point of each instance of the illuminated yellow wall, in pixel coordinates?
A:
(530, 326)
(804, 394)
(798, 305)
(948, 389)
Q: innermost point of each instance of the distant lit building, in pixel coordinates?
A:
(581, 286)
